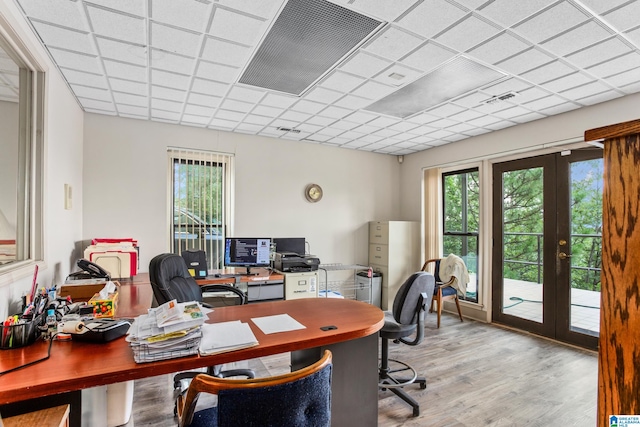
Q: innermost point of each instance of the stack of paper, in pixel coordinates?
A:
(169, 331)
(226, 336)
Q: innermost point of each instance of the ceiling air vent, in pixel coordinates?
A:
(292, 130)
(500, 98)
(308, 38)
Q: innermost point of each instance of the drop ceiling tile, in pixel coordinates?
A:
(499, 48)
(352, 102)
(366, 129)
(467, 33)
(167, 93)
(445, 110)
(61, 12)
(198, 110)
(466, 115)
(542, 103)
(422, 118)
(204, 100)
(64, 38)
(383, 121)
(393, 43)
(528, 117)
(218, 72)
(484, 121)
(361, 117)
(386, 133)
(342, 82)
(355, 144)
(137, 88)
(599, 53)
(344, 125)
(443, 123)
(525, 61)
(502, 124)
(600, 6)
(332, 132)
(558, 109)
(512, 112)
(364, 64)
(125, 71)
(272, 112)
(567, 82)
(428, 56)
(432, 16)
(476, 132)
(173, 80)
(308, 127)
(351, 135)
(548, 72)
(258, 120)
(509, 12)
(321, 121)
(295, 116)
(529, 95)
(371, 139)
(385, 10)
(617, 65)
(90, 92)
(224, 52)
(176, 41)
(508, 85)
(280, 101)
(552, 21)
(86, 79)
(583, 91)
(128, 99)
(117, 26)
(309, 107)
(422, 139)
(634, 36)
(403, 126)
(471, 100)
(576, 39)
(170, 62)
(76, 61)
(339, 140)
(236, 27)
(459, 137)
(230, 115)
(323, 95)
(440, 134)
(233, 105)
(262, 8)
(209, 87)
(422, 130)
(194, 119)
(133, 110)
(460, 127)
(168, 116)
(246, 127)
(121, 51)
(96, 105)
(373, 90)
(624, 78)
(127, 6)
(182, 13)
(624, 17)
(601, 97)
(335, 112)
(244, 94)
(397, 75)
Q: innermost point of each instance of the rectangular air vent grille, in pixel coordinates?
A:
(307, 39)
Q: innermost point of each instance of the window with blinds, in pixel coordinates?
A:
(201, 202)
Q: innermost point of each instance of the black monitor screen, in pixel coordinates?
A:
(290, 244)
(247, 252)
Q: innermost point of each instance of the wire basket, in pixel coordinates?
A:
(19, 335)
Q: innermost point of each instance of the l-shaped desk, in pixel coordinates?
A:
(354, 343)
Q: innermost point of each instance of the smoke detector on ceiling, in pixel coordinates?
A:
(500, 98)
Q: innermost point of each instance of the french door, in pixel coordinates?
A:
(547, 222)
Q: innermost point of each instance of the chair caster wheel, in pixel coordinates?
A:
(423, 386)
(416, 412)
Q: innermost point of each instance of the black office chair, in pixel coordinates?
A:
(406, 319)
(170, 279)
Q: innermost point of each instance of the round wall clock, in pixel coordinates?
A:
(313, 193)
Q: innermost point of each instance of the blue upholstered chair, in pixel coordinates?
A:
(405, 320)
(443, 291)
(297, 399)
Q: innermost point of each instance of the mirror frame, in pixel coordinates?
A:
(29, 223)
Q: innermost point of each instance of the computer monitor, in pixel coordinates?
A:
(290, 244)
(247, 252)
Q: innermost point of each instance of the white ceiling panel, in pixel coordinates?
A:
(117, 26)
(179, 61)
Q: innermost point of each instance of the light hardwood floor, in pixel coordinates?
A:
(477, 375)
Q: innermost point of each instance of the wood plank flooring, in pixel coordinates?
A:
(477, 375)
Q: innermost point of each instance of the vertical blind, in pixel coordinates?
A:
(201, 202)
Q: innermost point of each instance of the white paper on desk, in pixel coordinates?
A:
(226, 336)
(277, 323)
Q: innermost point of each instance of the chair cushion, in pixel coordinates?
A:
(446, 291)
(393, 330)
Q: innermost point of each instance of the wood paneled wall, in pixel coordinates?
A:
(619, 353)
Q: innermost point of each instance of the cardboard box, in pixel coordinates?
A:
(81, 291)
(104, 307)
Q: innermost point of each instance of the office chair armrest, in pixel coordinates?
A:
(226, 288)
(421, 310)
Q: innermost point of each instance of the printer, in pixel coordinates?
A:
(287, 262)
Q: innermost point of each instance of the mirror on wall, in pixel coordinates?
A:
(21, 112)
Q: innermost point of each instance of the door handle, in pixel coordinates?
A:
(563, 255)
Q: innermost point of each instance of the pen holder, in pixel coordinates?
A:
(19, 335)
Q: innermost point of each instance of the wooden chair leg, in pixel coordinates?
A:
(439, 300)
(458, 307)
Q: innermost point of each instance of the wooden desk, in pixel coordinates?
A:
(77, 365)
(57, 416)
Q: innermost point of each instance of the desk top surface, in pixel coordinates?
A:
(77, 365)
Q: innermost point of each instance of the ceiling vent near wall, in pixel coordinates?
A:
(453, 79)
(500, 98)
(285, 129)
(308, 38)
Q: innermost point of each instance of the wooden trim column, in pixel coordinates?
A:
(619, 353)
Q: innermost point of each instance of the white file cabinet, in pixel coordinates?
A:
(301, 285)
(394, 251)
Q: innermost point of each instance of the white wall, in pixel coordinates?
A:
(63, 164)
(125, 187)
